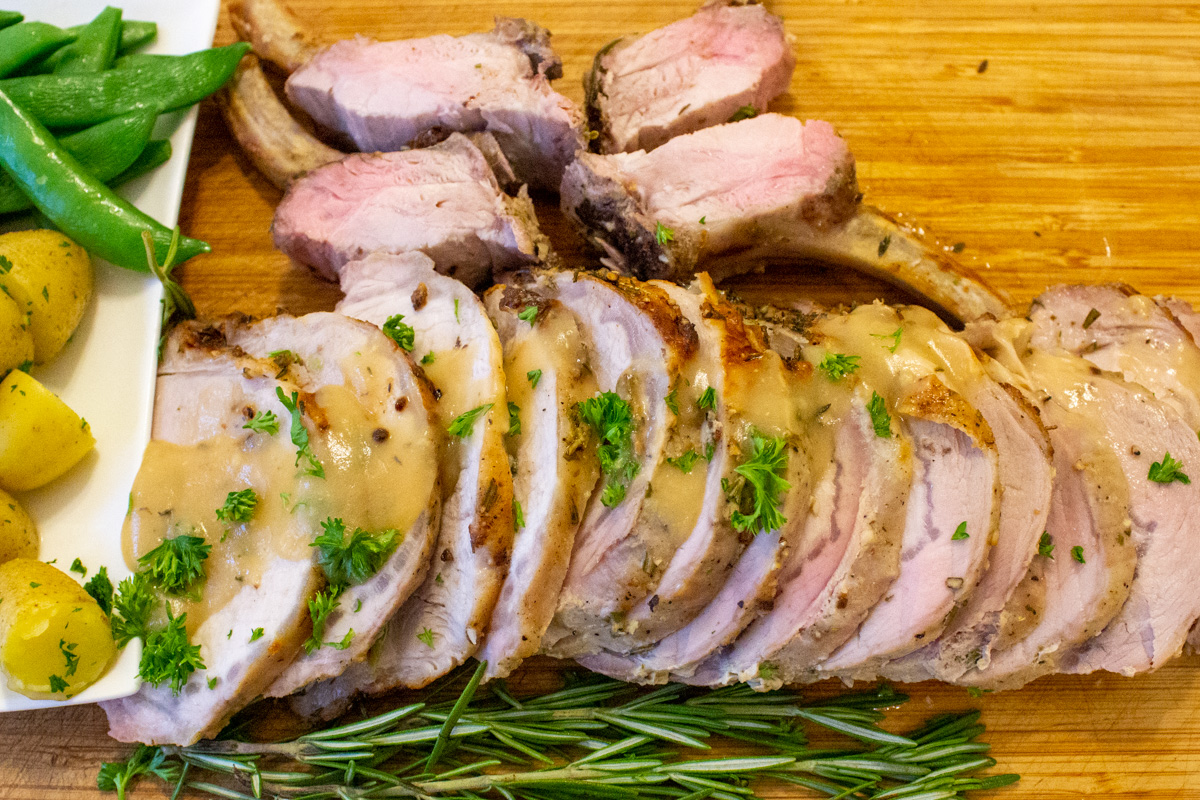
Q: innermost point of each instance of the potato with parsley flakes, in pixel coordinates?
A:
(40, 436)
(50, 278)
(55, 640)
(18, 534)
(16, 336)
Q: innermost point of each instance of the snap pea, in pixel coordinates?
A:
(105, 151)
(26, 41)
(157, 153)
(66, 101)
(134, 34)
(96, 47)
(83, 207)
(8, 18)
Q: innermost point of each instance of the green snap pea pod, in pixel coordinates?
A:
(73, 101)
(8, 18)
(27, 41)
(105, 151)
(134, 34)
(96, 47)
(81, 206)
(157, 153)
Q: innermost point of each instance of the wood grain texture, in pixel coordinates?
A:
(1074, 156)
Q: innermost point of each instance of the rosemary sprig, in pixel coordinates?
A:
(600, 739)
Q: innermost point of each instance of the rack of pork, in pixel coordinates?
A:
(637, 471)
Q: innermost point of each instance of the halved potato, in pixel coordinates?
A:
(50, 277)
(18, 534)
(16, 336)
(55, 640)
(40, 436)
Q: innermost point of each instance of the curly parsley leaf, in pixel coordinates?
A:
(518, 516)
(464, 423)
(239, 506)
(354, 560)
(612, 420)
(1046, 545)
(534, 375)
(685, 462)
(838, 365)
(176, 563)
(881, 420)
(78, 567)
(299, 434)
(672, 401)
(68, 651)
(168, 656)
(101, 589)
(960, 533)
(663, 234)
(132, 608)
(757, 491)
(514, 419)
(894, 336)
(1167, 470)
(1077, 553)
(400, 332)
(263, 422)
(708, 400)
(58, 685)
(426, 637)
(115, 776)
(745, 112)
(320, 606)
(529, 314)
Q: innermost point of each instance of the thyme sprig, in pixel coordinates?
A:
(600, 739)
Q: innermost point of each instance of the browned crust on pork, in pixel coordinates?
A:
(273, 31)
(930, 399)
(677, 332)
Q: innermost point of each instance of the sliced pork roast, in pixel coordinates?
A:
(1155, 432)
(386, 95)
(346, 382)
(735, 197)
(442, 201)
(441, 625)
(1089, 509)
(639, 348)
(728, 57)
(546, 365)
(953, 506)
(715, 597)
(849, 553)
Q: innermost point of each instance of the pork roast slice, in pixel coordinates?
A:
(729, 56)
(441, 625)
(760, 395)
(253, 615)
(1150, 349)
(442, 201)
(546, 367)
(386, 95)
(639, 347)
(735, 197)
(1023, 459)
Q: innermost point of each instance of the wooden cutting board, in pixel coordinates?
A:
(1055, 141)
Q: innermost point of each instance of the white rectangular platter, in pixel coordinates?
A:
(106, 373)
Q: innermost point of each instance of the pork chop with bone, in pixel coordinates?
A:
(729, 56)
(251, 616)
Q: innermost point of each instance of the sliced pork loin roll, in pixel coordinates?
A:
(252, 615)
(442, 201)
(756, 415)
(639, 348)
(386, 95)
(729, 56)
(849, 553)
(953, 506)
(441, 625)
(546, 364)
(1154, 433)
(735, 197)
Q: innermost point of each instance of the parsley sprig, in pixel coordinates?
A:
(263, 422)
(168, 656)
(349, 561)
(320, 606)
(881, 420)
(838, 365)
(299, 434)
(115, 776)
(176, 563)
(400, 332)
(1167, 471)
(757, 491)
(612, 420)
(239, 506)
(462, 425)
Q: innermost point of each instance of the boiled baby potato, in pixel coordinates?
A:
(50, 277)
(16, 335)
(40, 436)
(18, 534)
(55, 640)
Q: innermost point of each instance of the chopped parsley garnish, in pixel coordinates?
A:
(881, 420)
(767, 670)
(672, 401)
(212, 683)
(663, 234)
(745, 112)
(400, 332)
(177, 563)
(1091, 317)
(320, 606)
(101, 589)
(1046, 545)
(239, 506)
(1167, 470)
(428, 358)
(756, 493)
(456, 319)
(426, 636)
(115, 776)
(1077, 553)
(132, 607)
(514, 419)
(518, 516)
(77, 566)
(685, 462)
(535, 375)
(344, 643)
(464, 423)
(708, 400)
(354, 560)
(57, 684)
(960, 532)
(256, 634)
(263, 422)
(528, 314)
(838, 365)
(704, 219)
(68, 651)
(709, 449)
(884, 244)
(610, 417)
(894, 336)
(168, 656)
(299, 434)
